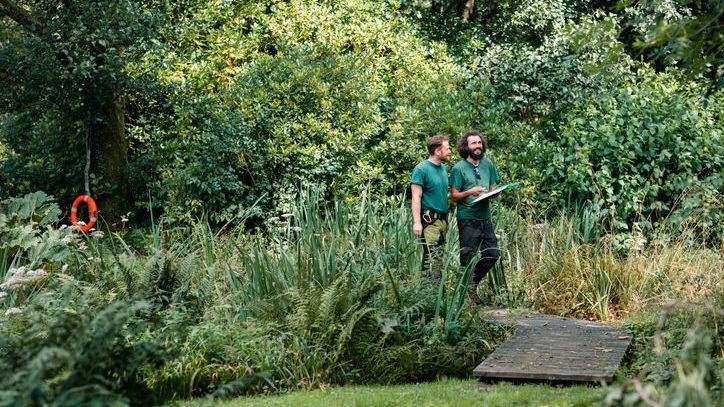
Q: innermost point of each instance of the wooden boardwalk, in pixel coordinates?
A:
(547, 347)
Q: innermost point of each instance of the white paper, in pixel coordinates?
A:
(487, 195)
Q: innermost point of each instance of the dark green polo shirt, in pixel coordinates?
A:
(433, 180)
(463, 177)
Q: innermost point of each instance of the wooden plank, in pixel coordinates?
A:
(548, 347)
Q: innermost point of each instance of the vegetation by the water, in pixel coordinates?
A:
(331, 296)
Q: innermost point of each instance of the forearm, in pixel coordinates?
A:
(416, 208)
(458, 196)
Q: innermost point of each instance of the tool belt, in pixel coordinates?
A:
(430, 216)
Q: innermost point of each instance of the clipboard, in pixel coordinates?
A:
(494, 192)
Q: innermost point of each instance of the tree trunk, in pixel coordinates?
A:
(468, 6)
(109, 159)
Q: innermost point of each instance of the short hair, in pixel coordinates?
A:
(435, 142)
(463, 143)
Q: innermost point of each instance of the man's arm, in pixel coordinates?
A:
(416, 207)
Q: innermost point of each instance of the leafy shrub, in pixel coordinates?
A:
(679, 362)
(37, 159)
(574, 62)
(293, 94)
(27, 236)
(639, 154)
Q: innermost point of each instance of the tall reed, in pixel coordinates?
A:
(572, 265)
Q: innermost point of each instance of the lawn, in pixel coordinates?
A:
(438, 394)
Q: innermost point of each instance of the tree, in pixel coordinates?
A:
(684, 33)
(61, 64)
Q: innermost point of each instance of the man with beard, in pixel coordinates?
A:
(473, 175)
(429, 186)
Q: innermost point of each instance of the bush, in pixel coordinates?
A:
(72, 353)
(537, 83)
(644, 153)
(342, 95)
(679, 363)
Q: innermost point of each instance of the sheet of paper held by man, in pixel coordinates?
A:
(494, 192)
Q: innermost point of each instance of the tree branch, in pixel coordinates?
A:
(20, 16)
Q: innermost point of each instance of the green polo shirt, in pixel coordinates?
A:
(433, 180)
(462, 178)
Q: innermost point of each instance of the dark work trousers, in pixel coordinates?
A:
(478, 235)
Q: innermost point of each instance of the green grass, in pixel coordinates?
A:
(444, 393)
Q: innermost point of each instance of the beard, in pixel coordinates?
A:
(477, 154)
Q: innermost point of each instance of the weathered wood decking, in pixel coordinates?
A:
(547, 347)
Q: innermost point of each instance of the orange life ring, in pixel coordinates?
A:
(92, 209)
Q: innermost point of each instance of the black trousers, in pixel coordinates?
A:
(478, 236)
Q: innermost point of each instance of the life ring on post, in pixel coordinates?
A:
(92, 210)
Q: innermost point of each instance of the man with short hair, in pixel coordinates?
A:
(473, 175)
(429, 186)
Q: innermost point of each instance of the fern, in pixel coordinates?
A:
(79, 355)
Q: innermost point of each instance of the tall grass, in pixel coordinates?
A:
(332, 292)
(313, 244)
(570, 265)
(339, 286)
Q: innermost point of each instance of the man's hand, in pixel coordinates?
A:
(477, 190)
(457, 196)
(417, 229)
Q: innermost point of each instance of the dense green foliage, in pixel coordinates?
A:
(62, 67)
(672, 363)
(240, 103)
(640, 154)
(331, 295)
(333, 300)
(333, 95)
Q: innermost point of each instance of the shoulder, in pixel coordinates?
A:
(457, 176)
(421, 166)
(459, 166)
(488, 162)
(419, 173)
